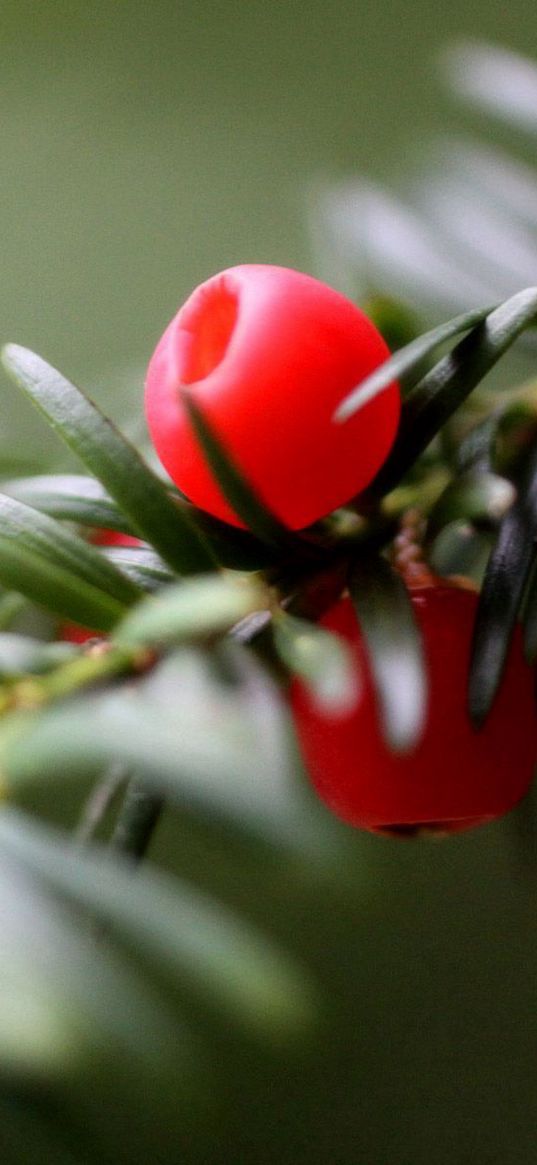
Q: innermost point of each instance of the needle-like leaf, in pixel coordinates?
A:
(442, 390)
(407, 364)
(239, 493)
(394, 648)
(503, 587)
(114, 461)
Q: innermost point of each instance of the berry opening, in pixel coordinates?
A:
(208, 319)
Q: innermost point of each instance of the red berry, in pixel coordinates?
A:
(455, 777)
(268, 354)
(75, 633)
(102, 537)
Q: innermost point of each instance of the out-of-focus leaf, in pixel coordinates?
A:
(386, 619)
(321, 659)
(20, 653)
(60, 590)
(48, 539)
(442, 390)
(367, 238)
(460, 549)
(105, 791)
(61, 992)
(480, 203)
(114, 461)
(71, 496)
(11, 604)
(460, 230)
(143, 566)
(223, 748)
(197, 607)
(223, 963)
(503, 587)
(138, 817)
(496, 80)
(474, 495)
(491, 177)
(89, 1036)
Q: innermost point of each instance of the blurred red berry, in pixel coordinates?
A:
(102, 537)
(455, 777)
(268, 354)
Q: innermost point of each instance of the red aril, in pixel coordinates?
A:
(456, 776)
(268, 354)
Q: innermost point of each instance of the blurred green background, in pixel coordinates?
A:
(146, 144)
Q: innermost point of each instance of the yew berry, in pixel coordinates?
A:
(456, 777)
(268, 354)
(103, 537)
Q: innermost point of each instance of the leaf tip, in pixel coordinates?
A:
(479, 702)
(13, 358)
(7, 354)
(342, 413)
(374, 384)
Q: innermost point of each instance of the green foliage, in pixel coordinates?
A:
(505, 579)
(43, 560)
(436, 397)
(112, 459)
(385, 615)
(221, 962)
(320, 659)
(71, 496)
(203, 607)
(134, 1001)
